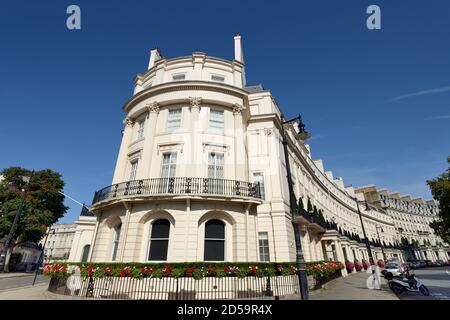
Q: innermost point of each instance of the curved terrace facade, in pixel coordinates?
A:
(200, 176)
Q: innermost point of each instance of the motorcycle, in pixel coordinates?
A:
(406, 282)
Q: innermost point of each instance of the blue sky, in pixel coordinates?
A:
(376, 102)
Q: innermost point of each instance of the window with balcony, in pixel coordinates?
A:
(258, 177)
(174, 119)
(216, 120)
(263, 239)
(215, 173)
(159, 240)
(214, 240)
(133, 169)
(168, 170)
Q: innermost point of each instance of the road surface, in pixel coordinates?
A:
(437, 281)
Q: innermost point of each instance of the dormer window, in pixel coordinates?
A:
(179, 77)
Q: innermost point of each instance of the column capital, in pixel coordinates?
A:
(195, 102)
(238, 108)
(128, 122)
(153, 107)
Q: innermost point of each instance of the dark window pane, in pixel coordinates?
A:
(84, 256)
(158, 250)
(214, 229)
(160, 229)
(214, 250)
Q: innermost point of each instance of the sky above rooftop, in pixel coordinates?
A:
(377, 102)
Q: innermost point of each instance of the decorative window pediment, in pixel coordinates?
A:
(170, 146)
(212, 147)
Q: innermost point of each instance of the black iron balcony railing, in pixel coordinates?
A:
(179, 185)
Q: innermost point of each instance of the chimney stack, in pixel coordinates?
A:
(155, 55)
(238, 53)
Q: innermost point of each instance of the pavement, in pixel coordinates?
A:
(15, 286)
(15, 274)
(353, 287)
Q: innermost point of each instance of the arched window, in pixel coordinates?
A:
(214, 240)
(159, 240)
(85, 253)
(116, 238)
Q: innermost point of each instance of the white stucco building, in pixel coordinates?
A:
(201, 176)
(411, 218)
(59, 242)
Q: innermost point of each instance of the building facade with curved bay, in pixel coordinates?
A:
(201, 176)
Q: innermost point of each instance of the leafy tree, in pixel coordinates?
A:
(43, 206)
(309, 207)
(301, 207)
(321, 217)
(440, 189)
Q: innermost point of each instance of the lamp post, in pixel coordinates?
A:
(41, 256)
(381, 244)
(369, 250)
(9, 239)
(300, 260)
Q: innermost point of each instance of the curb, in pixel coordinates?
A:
(9, 276)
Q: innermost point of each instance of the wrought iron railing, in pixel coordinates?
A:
(179, 185)
(177, 288)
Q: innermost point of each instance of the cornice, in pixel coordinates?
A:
(184, 86)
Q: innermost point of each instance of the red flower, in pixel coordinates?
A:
(146, 271)
(107, 270)
(212, 270)
(90, 270)
(188, 272)
(125, 272)
(167, 271)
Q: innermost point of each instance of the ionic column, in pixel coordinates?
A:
(240, 154)
(121, 164)
(340, 256)
(196, 155)
(150, 129)
(312, 246)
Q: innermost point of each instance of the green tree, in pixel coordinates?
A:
(43, 206)
(440, 189)
(300, 204)
(309, 207)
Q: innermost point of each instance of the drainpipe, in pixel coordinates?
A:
(127, 222)
(94, 237)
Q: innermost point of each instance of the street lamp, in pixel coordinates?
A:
(381, 244)
(9, 240)
(300, 260)
(369, 250)
(41, 256)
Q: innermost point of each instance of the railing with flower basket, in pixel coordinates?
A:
(177, 186)
(180, 281)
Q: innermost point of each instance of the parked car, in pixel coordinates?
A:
(429, 263)
(415, 264)
(395, 268)
(439, 263)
